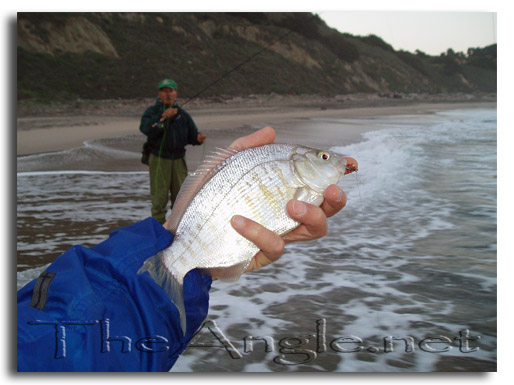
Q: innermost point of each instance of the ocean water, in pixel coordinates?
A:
(404, 281)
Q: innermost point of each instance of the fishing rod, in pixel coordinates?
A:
(244, 62)
(281, 37)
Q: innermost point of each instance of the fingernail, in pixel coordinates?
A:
(299, 208)
(238, 221)
(339, 196)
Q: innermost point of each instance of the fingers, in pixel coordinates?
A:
(265, 135)
(312, 218)
(313, 225)
(169, 112)
(266, 240)
(335, 200)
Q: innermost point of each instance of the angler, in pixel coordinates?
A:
(169, 129)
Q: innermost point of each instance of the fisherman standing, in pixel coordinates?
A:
(169, 129)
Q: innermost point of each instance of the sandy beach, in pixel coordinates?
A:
(222, 121)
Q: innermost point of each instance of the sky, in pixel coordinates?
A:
(432, 32)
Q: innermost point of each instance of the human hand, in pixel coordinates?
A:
(169, 112)
(313, 219)
(201, 137)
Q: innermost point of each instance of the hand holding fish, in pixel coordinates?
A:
(313, 219)
(242, 205)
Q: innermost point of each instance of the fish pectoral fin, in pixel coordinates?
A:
(230, 273)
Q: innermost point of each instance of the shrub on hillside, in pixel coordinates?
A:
(377, 42)
(341, 47)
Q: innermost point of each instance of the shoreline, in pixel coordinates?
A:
(59, 131)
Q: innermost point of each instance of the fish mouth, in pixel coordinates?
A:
(351, 165)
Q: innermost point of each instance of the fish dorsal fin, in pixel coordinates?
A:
(195, 181)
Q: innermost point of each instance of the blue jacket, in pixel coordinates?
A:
(91, 311)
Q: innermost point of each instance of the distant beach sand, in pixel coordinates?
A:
(222, 122)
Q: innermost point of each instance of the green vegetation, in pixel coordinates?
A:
(415, 61)
(377, 42)
(341, 47)
(197, 48)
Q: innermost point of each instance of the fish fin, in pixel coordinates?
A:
(171, 283)
(230, 273)
(195, 181)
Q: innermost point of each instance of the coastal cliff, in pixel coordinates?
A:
(66, 56)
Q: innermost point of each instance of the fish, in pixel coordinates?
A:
(256, 183)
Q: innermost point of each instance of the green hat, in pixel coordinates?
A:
(168, 83)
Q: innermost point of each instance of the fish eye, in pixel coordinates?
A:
(323, 155)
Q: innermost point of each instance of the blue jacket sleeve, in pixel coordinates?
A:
(91, 311)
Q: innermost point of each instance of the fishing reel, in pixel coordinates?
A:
(159, 124)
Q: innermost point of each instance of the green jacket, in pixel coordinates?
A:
(170, 140)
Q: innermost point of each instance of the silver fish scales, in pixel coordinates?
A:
(256, 183)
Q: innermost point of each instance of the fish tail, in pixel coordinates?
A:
(171, 283)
